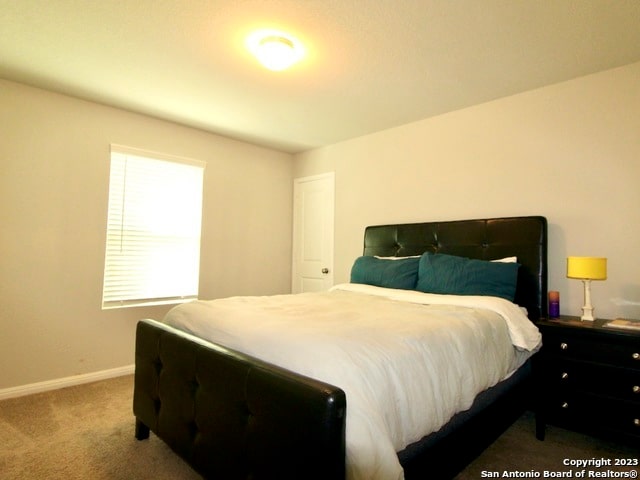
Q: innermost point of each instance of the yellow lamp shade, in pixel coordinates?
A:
(587, 268)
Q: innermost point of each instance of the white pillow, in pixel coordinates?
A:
(503, 260)
(507, 260)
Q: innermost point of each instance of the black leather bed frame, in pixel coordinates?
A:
(231, 416)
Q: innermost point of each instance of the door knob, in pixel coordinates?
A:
(325, 270)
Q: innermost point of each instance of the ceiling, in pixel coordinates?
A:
(370, 64)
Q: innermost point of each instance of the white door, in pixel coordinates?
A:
(313, 204)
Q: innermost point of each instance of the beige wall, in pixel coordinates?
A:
(54, 161)
(570, 152)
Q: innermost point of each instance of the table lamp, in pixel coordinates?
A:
(587, 269)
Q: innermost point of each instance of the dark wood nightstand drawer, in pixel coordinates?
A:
(563, 374)
(588, 378)
(588, 412)
(621, 353)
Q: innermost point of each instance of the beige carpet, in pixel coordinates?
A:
(86, 432)
(517, 450)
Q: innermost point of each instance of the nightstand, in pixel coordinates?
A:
(588, 378)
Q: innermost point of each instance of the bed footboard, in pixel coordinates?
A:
(232, 416)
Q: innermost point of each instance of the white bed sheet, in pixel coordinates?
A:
(407, 361)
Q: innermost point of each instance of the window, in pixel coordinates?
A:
(153, 229)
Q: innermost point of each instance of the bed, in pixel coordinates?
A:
(232, 413)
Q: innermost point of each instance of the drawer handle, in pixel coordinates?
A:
(636, 389)
(564, 375)
(636, 356)
(564, 346)
(566, 405)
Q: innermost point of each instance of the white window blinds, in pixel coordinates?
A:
(153, 229)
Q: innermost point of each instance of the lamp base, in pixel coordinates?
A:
(587, 314)
(587, 310)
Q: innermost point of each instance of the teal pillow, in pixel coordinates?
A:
(381, 272)
(449, 274)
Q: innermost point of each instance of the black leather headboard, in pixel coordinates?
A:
(485, 239)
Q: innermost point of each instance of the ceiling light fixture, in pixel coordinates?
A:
(275, 50)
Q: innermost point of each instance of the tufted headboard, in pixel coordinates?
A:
(484, 239)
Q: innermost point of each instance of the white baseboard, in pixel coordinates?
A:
(65, 382)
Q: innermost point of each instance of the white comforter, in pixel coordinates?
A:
(407, 361)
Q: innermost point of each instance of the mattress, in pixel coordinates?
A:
(407, 361)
